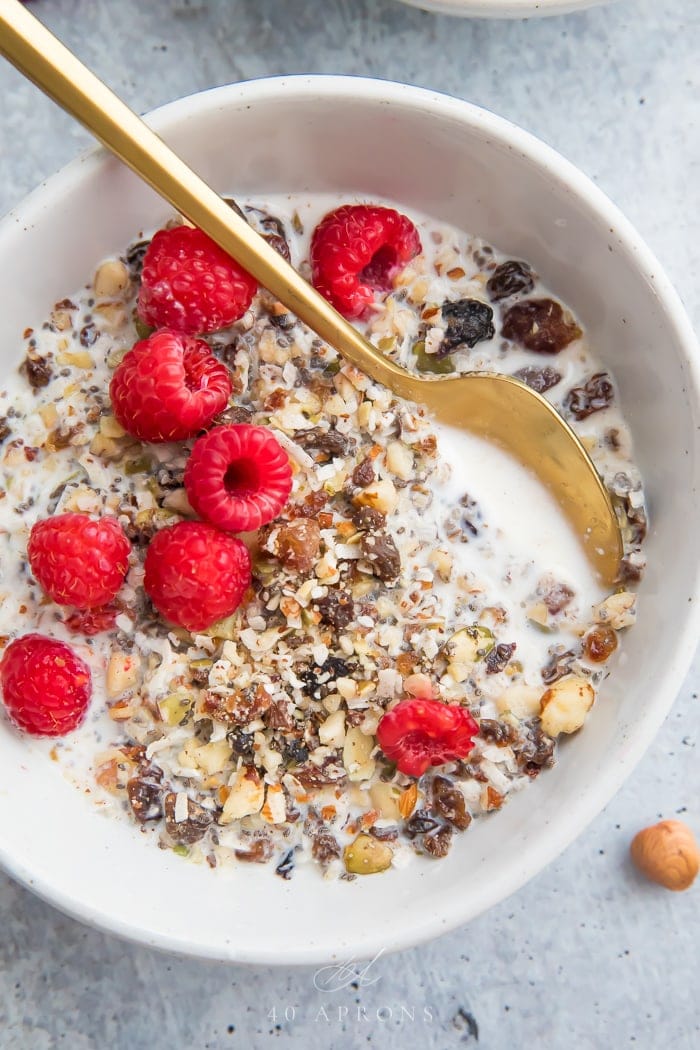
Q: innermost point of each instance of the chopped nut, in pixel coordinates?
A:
(122, 673)
(563, 708)
(111, 279)
(618, 611)
(357, 753)
(246, 795)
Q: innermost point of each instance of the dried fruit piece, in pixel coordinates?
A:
(667, 853)
(469, 321)
(449, 802)
(380, 550)
(539, 379)
(417, 734)
(599, 644)
(596, 394)
(508, 279)
(540, 325)
(185, 820)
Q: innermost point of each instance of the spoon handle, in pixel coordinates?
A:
(44, 60)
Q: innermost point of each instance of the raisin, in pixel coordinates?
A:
(558, 666)
(37, 371)
(539, 379)
(4, 429)
(337, 609)
(381, 552)
(497, 732)
(329, 442)
(259, 852)
(536, 753)
(295, 753)
(311, 776)
(469, 321)
(195, 825)
(363, 474)
(508, 279)
(555, 595)
(324, 847)
(499, 657)
(437, 843)
(88, 335)
(384, 834)
(286, 865)
(241, 743)
(540, 325)
(449, 802)
(271, 228)
(420, 823)
(596, 394)
(146, 798)
(369, 519)
(298, 544)
(599, 644)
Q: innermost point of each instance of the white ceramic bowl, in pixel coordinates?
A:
(465, 166)
(502, 8)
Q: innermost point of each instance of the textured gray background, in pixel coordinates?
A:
(586, 956)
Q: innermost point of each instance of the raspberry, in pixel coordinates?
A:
(45, 685)
(358, 249)
(190, 284)
(169, 387)
(420, 733)
(195, 574)
(78, 561)
(238, 477)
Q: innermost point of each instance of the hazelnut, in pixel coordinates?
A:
(667, 853)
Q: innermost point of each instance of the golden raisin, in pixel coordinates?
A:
(599, 644)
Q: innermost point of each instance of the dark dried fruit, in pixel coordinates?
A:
(295, 753)
(536, 753)
(540, 325)
(146, 798)
(508, 279)
(420, 823)
(285, 867)
(324, 847)
(134, 257)
(311, 776)
(384, 834)
(271, 228)
(558, 666)
(363, 474)
(497, 732)
(319, 681)
(438, 843)
(555, 595)
(190, 830)
(499, 657)
(599, 644)
(36, 370)
(382, 554)
(329, 442)
(368, 518)
(4, 429)
(469, 321)
(449, 803)
(595, 395)
(88, 335)
(298, 544)
(337, 609)
(539, 379)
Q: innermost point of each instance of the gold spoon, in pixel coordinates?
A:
(499, 408)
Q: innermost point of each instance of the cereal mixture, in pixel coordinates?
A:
(385, 579)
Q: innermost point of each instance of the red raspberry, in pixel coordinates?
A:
(169, 387)
(92, 621)
(190, 284)
(196, 575)
(358, 249)
(78, 561)
(238, 477)
(45, 685)
(420, 733)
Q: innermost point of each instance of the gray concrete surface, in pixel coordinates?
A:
(586, 956)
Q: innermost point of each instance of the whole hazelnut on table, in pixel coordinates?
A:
(667, 853)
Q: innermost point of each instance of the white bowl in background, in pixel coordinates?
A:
(465, 166)
(503, 8)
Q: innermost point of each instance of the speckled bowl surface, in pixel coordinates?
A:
(502, 8)
(462, 165)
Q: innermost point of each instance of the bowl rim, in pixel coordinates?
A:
(556, 836)
(503, 8)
